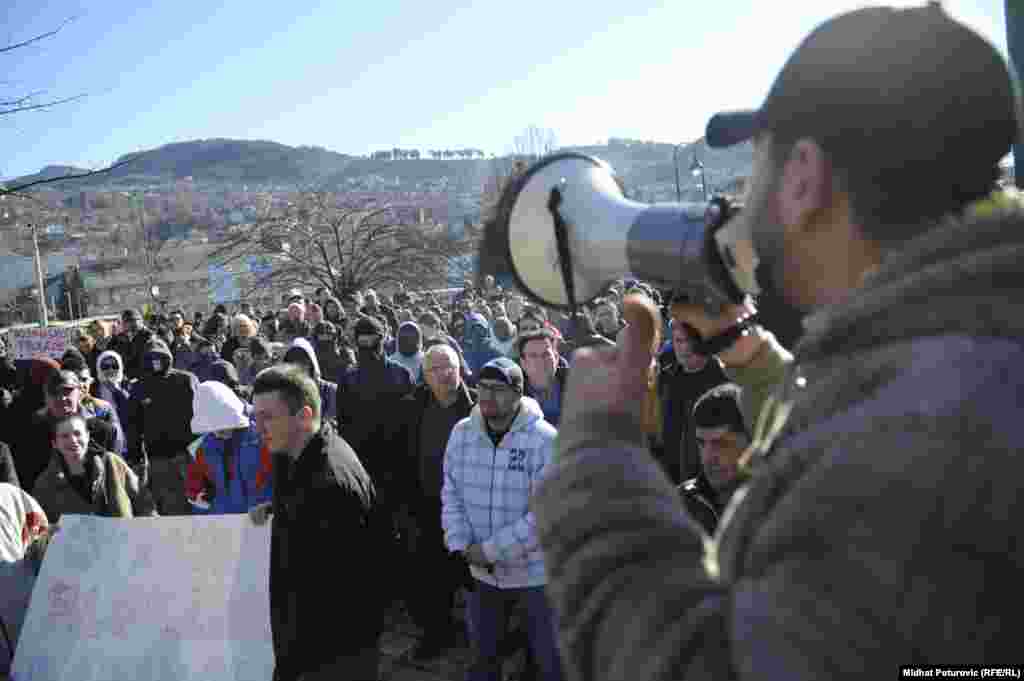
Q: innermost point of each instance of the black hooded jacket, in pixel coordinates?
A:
(160, 410)
(132, 350)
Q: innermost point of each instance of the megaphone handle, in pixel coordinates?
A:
(564, 258)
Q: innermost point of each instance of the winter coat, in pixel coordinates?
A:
(421, 469)
(325, 499)
(115, 393)
(22, 522)
(113, 487)
(132, 350)
(233, 475)
(678, 392)
(551, 415)
(368, 396)
(328, 389)
(184, 354)
(32, 446)
(486, 492)
(160, 411)
(881, 524)
(479, 346)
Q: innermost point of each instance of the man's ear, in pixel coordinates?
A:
(805, 187)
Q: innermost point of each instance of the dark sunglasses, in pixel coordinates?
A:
(108, 366)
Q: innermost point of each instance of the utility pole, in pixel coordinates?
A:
(1015, 43)
(43, 320)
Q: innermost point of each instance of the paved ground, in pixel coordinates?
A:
(402, 635)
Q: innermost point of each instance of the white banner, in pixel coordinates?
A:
(50, 341)
(150, 599)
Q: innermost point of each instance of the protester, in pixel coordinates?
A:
(269, 327)
(881, 521)
(505, 337)
(722, 437)
(545, 379)
(324, 496)
(493, 461)
(410, 350)
(62, 397)
(87, 346)
(131, 342)
(230, 471)
(24, 530)
(205, 355)
(681, 382)
(87, 481)
(479, 348)
(368, 395)
(325, 344)
(159, 430)
(111, 384)
(427, 417)
(333, 311)
(302, 353)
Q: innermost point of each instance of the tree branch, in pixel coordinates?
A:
(35, 107)
(36, 39)
(4, 191)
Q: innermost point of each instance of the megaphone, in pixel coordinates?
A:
(567, 231)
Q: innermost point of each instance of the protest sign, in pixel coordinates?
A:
(150, 599)
(51, 341)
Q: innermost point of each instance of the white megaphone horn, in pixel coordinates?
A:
(567, 231)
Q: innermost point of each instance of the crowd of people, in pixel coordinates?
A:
(653, 487)
(447, 407)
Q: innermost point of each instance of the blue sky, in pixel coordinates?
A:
(359, 76)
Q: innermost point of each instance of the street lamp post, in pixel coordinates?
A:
(675, 161)
(43, 320)
(697, 170)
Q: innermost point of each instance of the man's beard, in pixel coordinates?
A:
(779, 315)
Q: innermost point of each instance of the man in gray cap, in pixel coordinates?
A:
(880, 525)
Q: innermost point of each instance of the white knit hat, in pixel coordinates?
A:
(216, 407)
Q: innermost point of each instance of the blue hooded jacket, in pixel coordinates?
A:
(479, 346)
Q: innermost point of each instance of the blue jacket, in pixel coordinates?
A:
(479, 344)
(234, 483)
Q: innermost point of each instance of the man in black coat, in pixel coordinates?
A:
(681, 382)
(327, 538)
(131, 342)
(159, 426)
(427, 416)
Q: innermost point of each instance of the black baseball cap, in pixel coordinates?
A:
(899, 88)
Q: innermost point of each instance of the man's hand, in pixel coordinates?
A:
(260, 514)
(475, 556)
(613, 381)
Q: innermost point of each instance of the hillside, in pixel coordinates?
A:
(254, 162)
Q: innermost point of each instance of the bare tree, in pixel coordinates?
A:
(535, 142)
(323, 240)
(12, 104)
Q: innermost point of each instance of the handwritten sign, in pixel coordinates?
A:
(51, 341)
(152, 599)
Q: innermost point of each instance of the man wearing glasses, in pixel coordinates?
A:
(494, 460)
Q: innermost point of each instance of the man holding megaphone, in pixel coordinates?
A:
(881, 522)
